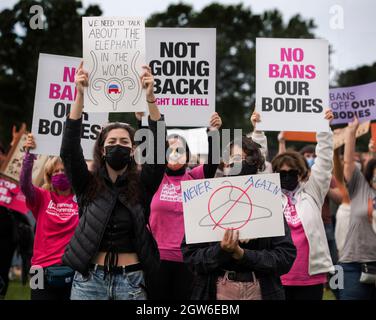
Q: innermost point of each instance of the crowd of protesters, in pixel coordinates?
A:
(115, 230)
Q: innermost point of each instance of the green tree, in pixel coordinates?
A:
(237, 28)
(20, 48)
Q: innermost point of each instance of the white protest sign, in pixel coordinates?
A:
(183, 64)
(250, 204)
(114, 52)
(292, 84)
(197, 139)
(54, 96)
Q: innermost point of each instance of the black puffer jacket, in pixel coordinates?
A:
(95, 215)
(268, 258)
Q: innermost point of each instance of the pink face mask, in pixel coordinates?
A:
(60, 181)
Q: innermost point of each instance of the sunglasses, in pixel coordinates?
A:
(291, 172)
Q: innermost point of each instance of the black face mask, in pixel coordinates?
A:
(118, 156)
(246, 169)
(289, 179)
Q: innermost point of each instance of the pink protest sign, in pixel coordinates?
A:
(11, 196)
(292, 86)
(349, 102)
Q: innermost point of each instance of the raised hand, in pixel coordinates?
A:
(147, 81)
(81, 78)
(353, 126)
(215, 121)
(30, 142)
(255, 118)
(329, 115)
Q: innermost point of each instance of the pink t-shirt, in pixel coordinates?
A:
(56, 220)
(298, 274)
(166, 217)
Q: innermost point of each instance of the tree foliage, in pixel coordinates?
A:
(20, 48)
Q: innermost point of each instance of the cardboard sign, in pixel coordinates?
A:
(183, 64)
(13, 164)
(11, 196)
(359, 101)
(339, 135)
(250, 204)
(55, 94)
(114, 52)
(292, 86)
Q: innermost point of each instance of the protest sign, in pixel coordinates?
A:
(353, 101)
(13, 163)
(299, 136)
(373, 133)
(183, 64)
(11, 196)
(197, 139)
(114, 52)
(250, 204)
(292, 87)
(55, 94)
(339, 135)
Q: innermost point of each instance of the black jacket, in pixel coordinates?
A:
(95, 215)
(268, 258)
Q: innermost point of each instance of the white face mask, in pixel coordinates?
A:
(174, 157)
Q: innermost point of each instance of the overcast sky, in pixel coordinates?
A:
(354, 45)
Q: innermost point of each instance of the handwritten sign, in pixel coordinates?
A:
(114, 52)
(250, 204)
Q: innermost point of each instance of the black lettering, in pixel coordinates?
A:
(266, 104)
(95, 129)
(317, 106)
(85, 130)
(44, 126)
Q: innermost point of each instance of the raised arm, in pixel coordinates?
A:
(32, 193)
(71, 151)
(321, 172)
(281, 143)
(152, 172)
(350, 140)
(259, 136)
(210, 168)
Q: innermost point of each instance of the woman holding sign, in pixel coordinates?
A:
(174, 279)
(358, 258)
(241, 269)
(112, 250)
(55, 210)
(302, 202)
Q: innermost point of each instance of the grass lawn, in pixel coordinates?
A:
(17, 291)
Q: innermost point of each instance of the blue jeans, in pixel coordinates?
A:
(128, 286)
(353, 288)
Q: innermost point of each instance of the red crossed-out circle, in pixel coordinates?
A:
(244, 193)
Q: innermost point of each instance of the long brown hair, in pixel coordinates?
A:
(132, 187)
